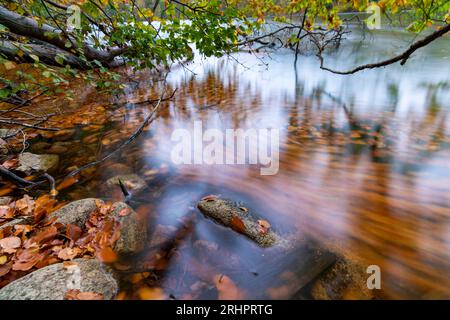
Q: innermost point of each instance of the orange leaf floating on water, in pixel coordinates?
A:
(211, 197)
(146, 293)
(106, 255)
(227, 288)
(237, 225)
(264, 226)
(10, 243)
(78, 295)
(67, 183)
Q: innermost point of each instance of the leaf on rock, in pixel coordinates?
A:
(124, 212)
(237, 224)
(264, 226)
(73, 232)
(69, 253)
(211, 197)
(106, 255)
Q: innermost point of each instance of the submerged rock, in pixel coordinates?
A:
(114, 169)
(53, 282)
(38, 162)
(77, 212)
(230, 215)
(162, 235)
(59, 147)
(40, 146)
(132, 182)
(344, 280)
(133, 231)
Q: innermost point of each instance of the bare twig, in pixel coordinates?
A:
(27, 125)
(149, 119)
(403, 57)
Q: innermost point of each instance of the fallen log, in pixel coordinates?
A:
(47, 53)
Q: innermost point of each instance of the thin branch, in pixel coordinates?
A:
(403, 57)
(27, 125)
(149, 119)
(298, 36)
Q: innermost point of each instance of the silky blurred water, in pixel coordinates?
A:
(364, 165)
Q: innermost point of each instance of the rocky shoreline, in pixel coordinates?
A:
(83, 275)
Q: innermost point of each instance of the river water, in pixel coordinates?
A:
(364, 166)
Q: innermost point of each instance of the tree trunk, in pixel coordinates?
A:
(30, 28)
(47, 53)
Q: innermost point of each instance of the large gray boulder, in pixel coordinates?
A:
(53, 282)
(77, 212)
(133, 231)
(38, 162)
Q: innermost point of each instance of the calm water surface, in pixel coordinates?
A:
(364, 165)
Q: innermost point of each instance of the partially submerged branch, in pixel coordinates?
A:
(149, 119)
(46, 53)
(403, 57)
